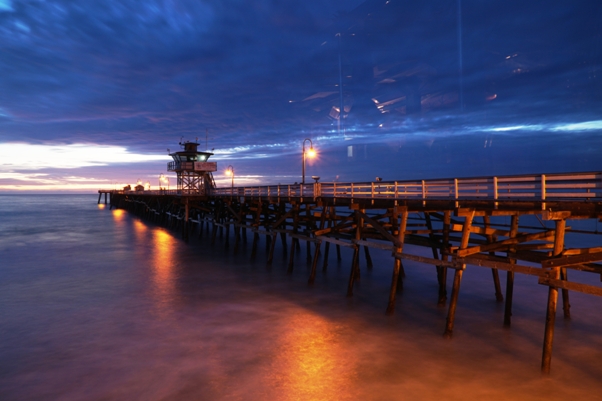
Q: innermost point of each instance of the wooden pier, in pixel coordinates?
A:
(462, 222)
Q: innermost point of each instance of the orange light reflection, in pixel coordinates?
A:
(102, 206)
(313, 364)
(163, 264)
(118, 214)
(139, 228)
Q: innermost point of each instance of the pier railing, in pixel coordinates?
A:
(573, 186)
(535, 187)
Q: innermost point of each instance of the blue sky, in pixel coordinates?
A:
(92, 94)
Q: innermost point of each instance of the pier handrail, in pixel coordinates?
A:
(539, 187)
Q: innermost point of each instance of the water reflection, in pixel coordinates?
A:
(140, 230)
(102, 206)
(163, 265)
(118, 215)
(314, 362)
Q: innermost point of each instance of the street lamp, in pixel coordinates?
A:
(163, 179)
(310, 153)
(230, 172)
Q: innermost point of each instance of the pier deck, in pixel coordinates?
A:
(461, 222)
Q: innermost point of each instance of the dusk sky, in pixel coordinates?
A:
(92, 94)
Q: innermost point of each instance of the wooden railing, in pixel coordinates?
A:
(541, 187)
(133, 192)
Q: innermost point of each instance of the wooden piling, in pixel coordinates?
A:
(514, 221)
(396, 279)
(566, 306)
(449, 327)
(272, 247)
(445, 255)
(494, 272)
(312, 275)
(546, 358)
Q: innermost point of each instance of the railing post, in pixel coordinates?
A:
(495, 191)
(396, 191)
(456, 191)
(372, 188)
(543, 192)
(334, 189)
(351, 190)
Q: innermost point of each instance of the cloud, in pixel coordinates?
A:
(23, 156)
(6, 5)
(131, 77)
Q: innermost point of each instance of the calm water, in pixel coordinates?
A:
(98, 305)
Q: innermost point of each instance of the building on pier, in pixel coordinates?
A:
(193, 170)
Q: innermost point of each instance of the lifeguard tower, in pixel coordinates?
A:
(193, 169)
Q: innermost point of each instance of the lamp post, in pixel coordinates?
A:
(230, 172)
(163, 179)
(310, 153)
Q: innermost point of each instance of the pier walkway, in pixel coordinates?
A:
(457, 222)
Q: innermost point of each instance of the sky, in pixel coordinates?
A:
(93, 94)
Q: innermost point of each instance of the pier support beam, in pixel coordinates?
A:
(312, 275)
(355, 263)
(449, 327)
(546, 358)
(444, 257)
(510, 275)
(396, 279)
(494, 272)
(185, 224)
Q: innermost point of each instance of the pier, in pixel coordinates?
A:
(460, 222)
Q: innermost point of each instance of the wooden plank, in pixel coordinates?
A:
(376, 225)
(544, 235)
(486, 261)
(572, 260)
(529, 255)
(572, 286)
(587, 267)
(336, 241)
(422, 259)
(580, 251)
(549, 215)
(378, 245)
(338, 227)
(303, 237)
(481, 230)
(534, 247)
(282, 219)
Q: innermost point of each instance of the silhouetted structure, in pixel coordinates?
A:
(193, 169)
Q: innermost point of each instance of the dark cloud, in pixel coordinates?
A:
(142, 74)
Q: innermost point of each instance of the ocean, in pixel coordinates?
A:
(96, 304)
